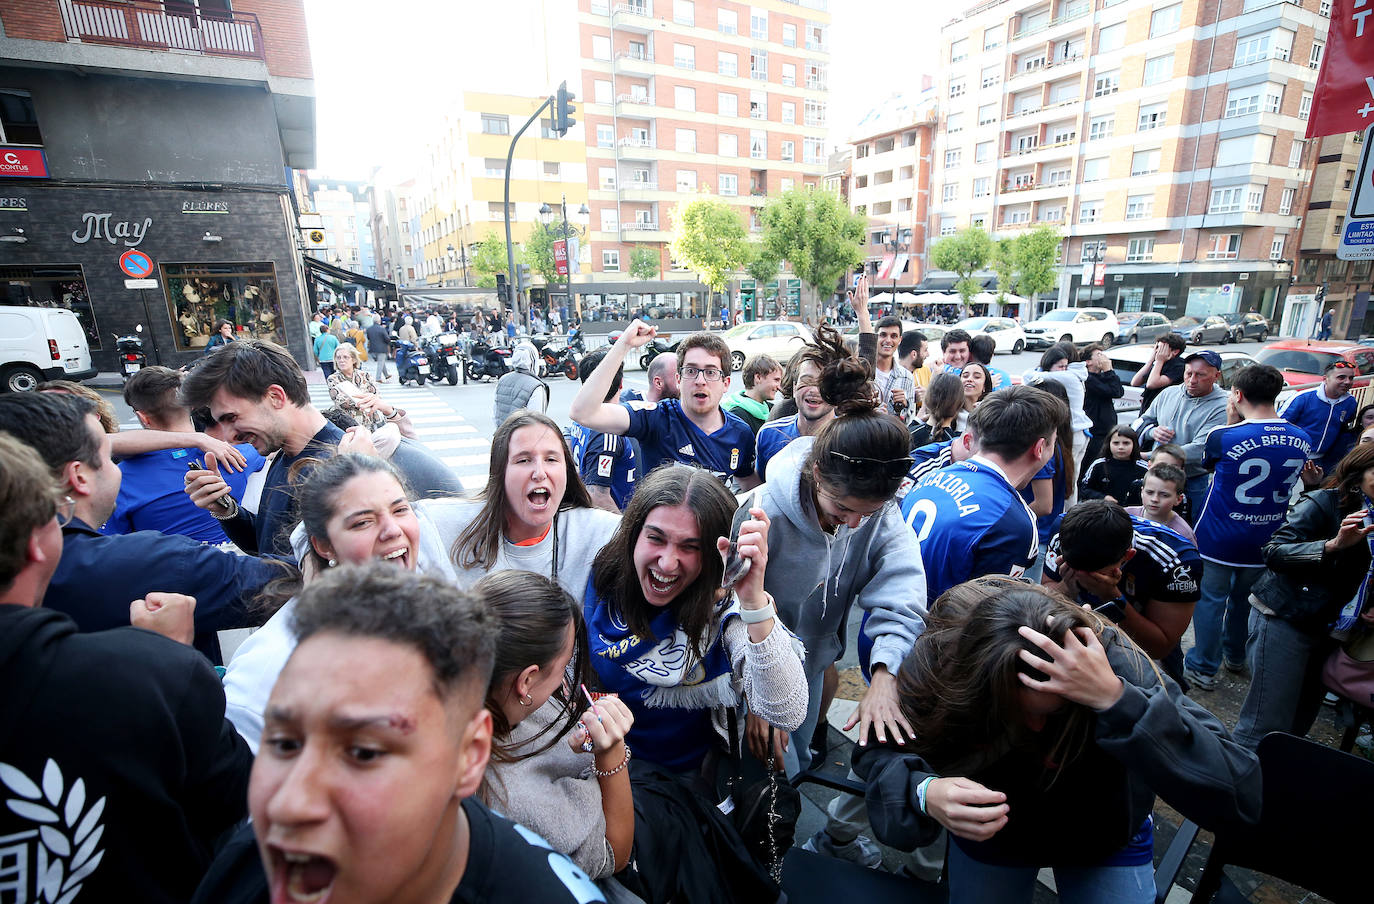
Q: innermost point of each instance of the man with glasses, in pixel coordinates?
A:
(693, 430)
(1324, 414)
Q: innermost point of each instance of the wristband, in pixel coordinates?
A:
(761, 614)
(610, 772)
(921, 793)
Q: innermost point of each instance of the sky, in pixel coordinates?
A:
(383, 81)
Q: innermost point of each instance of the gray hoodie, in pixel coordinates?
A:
(1190, 418)
(815, 577)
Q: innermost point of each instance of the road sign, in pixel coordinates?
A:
(135, 263)
(140, 284)
(1357, 237)
(1344, 97)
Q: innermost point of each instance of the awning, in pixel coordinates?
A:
(937, 284)
(330, 271)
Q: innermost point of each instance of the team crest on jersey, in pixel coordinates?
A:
(734, 459)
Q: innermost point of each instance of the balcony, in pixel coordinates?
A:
(633, 16)
(637, 191)
(639, 231)
(149, 26)
(639, 100)
(635, 61)
(636, 149)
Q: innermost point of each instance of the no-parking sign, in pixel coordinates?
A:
(135, 264)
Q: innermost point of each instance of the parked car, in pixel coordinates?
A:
(1142, 326)
(1005, 333)
(779, 338)
(1200, 331)
(1303, 360)
(38, 344)
(1128, 360)
(1077, 325)
(1246, 325)
(932, 331)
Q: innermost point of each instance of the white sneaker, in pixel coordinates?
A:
(862, 850)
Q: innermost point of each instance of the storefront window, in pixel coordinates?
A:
(51, 287)
(199, 295)
(1131, 299)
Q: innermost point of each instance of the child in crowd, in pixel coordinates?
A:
(1173, 454)
(1161, 496)
(1117, 476)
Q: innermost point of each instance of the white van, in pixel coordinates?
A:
(38, 344)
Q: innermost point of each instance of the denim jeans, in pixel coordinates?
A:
(1286, 685)
(971, 882)
(1196, 491)
(1220, 616)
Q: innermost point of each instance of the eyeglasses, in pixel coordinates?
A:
(66, 510)
(712, 374)
(890, 467)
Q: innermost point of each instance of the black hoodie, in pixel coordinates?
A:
(117, 768)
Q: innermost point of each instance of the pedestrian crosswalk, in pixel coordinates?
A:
(442, 430)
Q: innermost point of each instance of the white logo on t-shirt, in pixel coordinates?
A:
(603, 465)
(59, 852)
(687, 450)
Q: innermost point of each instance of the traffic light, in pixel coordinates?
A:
(523, 270)
(1321, 294)
(563, 110)
(502, 290)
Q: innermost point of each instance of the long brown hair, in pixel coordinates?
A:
(1348, 476)
(613, 570)
(1063, 433)
(480, 542)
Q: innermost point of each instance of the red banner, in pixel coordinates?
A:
(1344, 97)
(22, 163)
(560, 257)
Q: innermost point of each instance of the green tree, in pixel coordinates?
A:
(709, 237)
(762, 266)
(965, 253)
(489, 259)
(1035, 261)
(1004, 265)
(538, 251)
(645, 262)
(817, 234)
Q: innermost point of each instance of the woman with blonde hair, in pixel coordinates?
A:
(352, 389)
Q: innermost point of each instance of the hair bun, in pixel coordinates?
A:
(847, 384)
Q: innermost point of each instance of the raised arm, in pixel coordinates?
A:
(588, 407)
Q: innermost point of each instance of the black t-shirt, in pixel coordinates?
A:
(1173, 369)
(509, 863)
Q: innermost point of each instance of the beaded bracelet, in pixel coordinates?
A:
(623, 763)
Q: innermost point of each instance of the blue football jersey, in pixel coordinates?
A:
(927, 458)
(1254, 466)
(605, 460)
(970, 522)
(1165, 568)
(773, 436)
(666, 434)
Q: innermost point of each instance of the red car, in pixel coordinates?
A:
(1303, 360)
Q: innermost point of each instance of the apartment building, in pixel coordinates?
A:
(890, 176)
(1347, 283)
(686, 96)
(389, 199)
(459, 192)
(345, 211)
(1164, 138)
(172, 128)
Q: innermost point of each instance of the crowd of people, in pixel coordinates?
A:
(538, 693)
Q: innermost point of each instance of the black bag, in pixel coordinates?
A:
(766, 812)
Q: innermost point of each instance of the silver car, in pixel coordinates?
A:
(1142, 326)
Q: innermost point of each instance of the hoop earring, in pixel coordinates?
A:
(525, 700)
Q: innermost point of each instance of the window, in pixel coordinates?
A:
(637, 51)
(758, 24)
(1224, 247)
(1286, 201)
(610, 261)
(1254, 198)
(1244, 150)
(495, 167)
(601, 92)
(686, 180)
(1295, 152)
(728, 145)
(551, 168)
(684, 56)
(1018, 215)
(815, 113)
(957, 87)
(758, 104)
(1305, 106)
(758, 145)
(982, 187)
(607, 178)
(815, 75)
(1324, 8)
(497, 211)
(1166, 20)
(1314, 59)
(954, 123)
(1107, 83)
(1062, 134)
(987, 113)
(1095, 170)
(684, 98)
(951, 191)
(958, 50)
(605, 136)
(948, 228)
(1092, 251)
(727, 104)
(1140, 207)
(1101, 127)
(952, 158)
(788, 151)
(758, 65)
(789, 75)
(601, 47)
(1336, 229)
(1152, 116)
(1145, 162)
(1226, 200)
(789, 112)
(685, 141)
(1089, 211)
(494, 124)
(785, 184)
(789, 34)
(978, 220)
(1113, 37)
(982, 152)
(1158, 69)
(811, 151)
(684, 12)
(991, 39)
(1065, 92)
(1138, 250)
(727, 22)
(1276, 248)
(729, 184)
(1253, 98)
(991, 76)
(727, 63)
(610, 221)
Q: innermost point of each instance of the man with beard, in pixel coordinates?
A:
(813, 412)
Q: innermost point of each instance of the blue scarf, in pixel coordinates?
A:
(1350, 615)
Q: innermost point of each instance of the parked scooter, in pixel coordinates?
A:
(129, 351)
(558, 358)
(576, 342)
(442, 351)
(411, 363)
(485, 360)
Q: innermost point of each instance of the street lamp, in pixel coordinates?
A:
(449, 261)
(545, 212)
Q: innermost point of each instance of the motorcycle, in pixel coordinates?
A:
(442, 351)
(485, 360)
(576, 342)
(129, 351)
(557, 357)
(411, 364)
(659, 345)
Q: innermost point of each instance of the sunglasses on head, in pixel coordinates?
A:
(889, 467)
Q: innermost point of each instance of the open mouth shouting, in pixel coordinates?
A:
(300, 878)
(660, 585)
(539, 499)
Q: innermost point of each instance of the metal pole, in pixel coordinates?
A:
(567, 259)
(510, 247)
